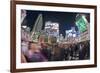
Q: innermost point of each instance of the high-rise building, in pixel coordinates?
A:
(52, 28)
(61, 38)
(38, 24)
(71, 32)
(83, 27)
(70, 35)
(23, 15)
(37, 28)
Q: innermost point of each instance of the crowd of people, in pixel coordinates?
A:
(42, 52)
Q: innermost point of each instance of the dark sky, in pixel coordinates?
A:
(66, 20)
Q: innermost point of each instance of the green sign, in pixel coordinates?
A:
(81, 24)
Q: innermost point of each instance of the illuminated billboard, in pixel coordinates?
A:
(81, 22)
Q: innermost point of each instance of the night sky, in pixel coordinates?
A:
(66, 20)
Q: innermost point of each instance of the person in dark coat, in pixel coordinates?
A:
(46, 51)
(82, 52)
(58, 53)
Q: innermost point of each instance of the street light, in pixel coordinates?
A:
(24, 26)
